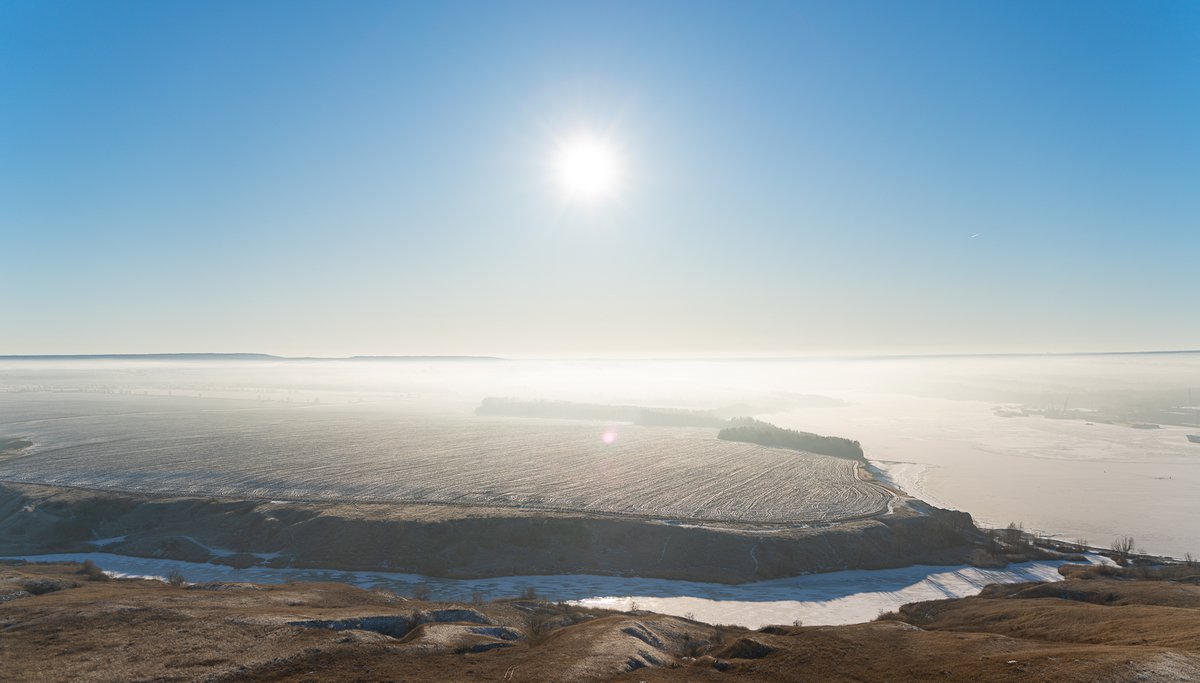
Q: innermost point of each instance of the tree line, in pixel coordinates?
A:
(749, 430)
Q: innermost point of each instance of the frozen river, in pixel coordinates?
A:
(1066, 478)
(834, 598)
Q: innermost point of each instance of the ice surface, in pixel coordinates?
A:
(833, 598)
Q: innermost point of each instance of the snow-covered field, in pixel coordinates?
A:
(406, 430)
(323, 451)
(835, 598)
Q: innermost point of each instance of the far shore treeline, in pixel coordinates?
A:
(749, 430)
(744, 429)
(569, 410)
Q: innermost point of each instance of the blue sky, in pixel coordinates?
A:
(341, 178)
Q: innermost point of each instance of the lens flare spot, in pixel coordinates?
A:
(609, 437)
(588, 169)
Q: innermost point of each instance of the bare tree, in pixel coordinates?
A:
(1123, 547)
(176, 579)
(1013, 534)
(537, 626)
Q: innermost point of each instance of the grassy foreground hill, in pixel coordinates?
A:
(64, 623)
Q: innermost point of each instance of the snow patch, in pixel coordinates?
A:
(843, 597)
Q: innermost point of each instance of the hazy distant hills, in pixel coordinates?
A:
(238, 357)
(271, 357)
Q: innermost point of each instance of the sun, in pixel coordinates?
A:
(588, 168)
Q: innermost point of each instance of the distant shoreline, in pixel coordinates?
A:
(657, 359)
(235, 357)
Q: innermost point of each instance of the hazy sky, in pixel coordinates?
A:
(376, 178)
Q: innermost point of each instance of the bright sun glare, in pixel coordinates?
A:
(587, 169)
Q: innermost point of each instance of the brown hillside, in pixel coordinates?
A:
(57, 624)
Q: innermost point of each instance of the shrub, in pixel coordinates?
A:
(537, 626)
(1013, 533)
(92, 572)
(176, 579)
(691, 646)
(1123, 547)
(43, 586)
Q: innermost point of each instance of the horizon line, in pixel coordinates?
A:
(250, 356)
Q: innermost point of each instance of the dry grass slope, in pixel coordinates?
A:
(1087, 628)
